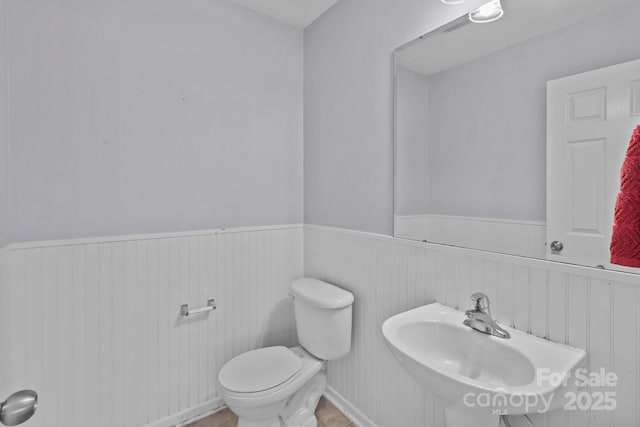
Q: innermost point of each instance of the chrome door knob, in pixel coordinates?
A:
(556, 246)
(18, 407)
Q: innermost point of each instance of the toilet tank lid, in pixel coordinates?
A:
(321, 294)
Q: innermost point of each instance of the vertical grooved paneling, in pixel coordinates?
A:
(368, 317)
(118, 323)
(624, 354)
(557, 307)
(183, 326)
(103, 324)
(66, 368)
(50, 329)
(203, 293)
(212, 330)
(379, 286)
(441, 277)
(79, 416)
(599, 348)
(556, 313)
(165, 322)
(105, 343)
(16, 273)
(452, 283)
(151, 315)
(464, 282)
(477, 283)
(129, 327)
(5, 331)
(578, 330)
(541, 298)
(105, 289)
(92, 331)
(193, 345)
(521, 283)
(34, 321)
(538, 304)
(503, 310)
(490, 279)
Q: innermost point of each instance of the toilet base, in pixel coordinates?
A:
(298, 411)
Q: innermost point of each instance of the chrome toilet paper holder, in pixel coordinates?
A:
(185, 312)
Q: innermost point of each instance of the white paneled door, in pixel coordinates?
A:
(590, 118)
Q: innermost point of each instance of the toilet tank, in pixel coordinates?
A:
(323, 318)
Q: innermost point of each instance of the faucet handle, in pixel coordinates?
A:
(480, 301)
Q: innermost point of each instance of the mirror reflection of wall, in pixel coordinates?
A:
(471, 119)
(412, 128)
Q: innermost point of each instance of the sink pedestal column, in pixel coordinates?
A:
(454, 418)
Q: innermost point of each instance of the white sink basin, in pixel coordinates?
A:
(479, 376)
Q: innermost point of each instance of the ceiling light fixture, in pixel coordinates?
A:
(488, 12)
(452, 1)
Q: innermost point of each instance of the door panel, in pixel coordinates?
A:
(590, 118)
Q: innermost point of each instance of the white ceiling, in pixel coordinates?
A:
(299, 13)
(523, 19)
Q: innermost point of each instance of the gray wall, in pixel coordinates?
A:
(348, 124)
(487, 138)
(412, 128)
(5, 221)
(348, 103)
(152, 116)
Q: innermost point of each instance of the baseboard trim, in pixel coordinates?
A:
(354, 414)
(204, 410)
(191, 414)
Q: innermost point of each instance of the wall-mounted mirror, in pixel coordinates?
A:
(477, 105)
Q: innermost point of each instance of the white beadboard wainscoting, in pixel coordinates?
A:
(517, 237)
(94, 324)
(596, 310)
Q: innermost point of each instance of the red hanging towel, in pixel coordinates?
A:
(625, 240)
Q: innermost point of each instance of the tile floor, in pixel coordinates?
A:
(327, 414)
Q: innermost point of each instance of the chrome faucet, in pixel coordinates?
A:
(479, 317)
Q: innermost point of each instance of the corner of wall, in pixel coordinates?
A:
(5, 212)
(6, 380)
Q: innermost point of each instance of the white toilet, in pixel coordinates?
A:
(279, 386)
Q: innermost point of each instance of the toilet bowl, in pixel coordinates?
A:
(282, 401)
(280, 386)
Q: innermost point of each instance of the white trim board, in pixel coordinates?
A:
(618, 276)
(610, 275)
(151, 236)
(192, 414)
(196, 413)
(517, 237)
(474, 218)
(622, 277)
(347, 408)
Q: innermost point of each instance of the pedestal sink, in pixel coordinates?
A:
(477, 376)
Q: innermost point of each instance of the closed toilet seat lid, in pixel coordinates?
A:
(259, 370)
